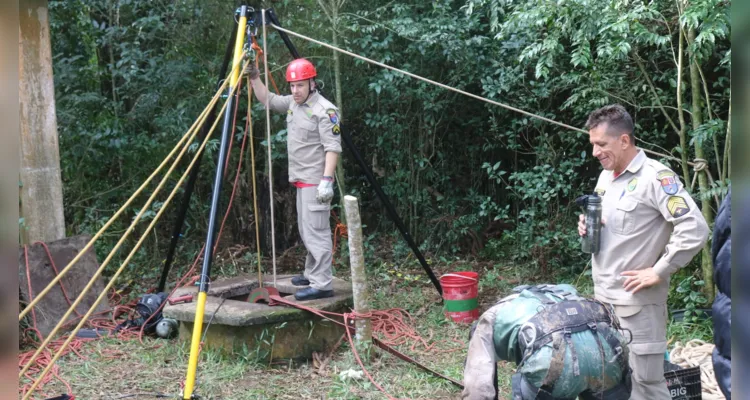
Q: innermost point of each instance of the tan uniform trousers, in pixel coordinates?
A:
(648, 324)
(313, 221)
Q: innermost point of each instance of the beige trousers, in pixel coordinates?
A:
(313, 221)
(648, 324)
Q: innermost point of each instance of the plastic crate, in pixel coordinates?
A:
(683, 383)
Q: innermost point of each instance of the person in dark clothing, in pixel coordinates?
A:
(721, 250)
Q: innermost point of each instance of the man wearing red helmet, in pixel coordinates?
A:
(313, 144)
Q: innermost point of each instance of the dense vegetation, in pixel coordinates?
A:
(468, 178)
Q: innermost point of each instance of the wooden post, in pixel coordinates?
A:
(363, 326)
(41, 184)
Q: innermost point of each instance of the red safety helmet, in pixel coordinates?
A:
(300, 70)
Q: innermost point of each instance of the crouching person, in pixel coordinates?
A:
(565, 346)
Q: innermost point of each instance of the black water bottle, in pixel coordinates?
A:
(592, 205)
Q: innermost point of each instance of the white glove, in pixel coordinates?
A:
(325, 190)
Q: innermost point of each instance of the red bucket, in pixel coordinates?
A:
(460, 292)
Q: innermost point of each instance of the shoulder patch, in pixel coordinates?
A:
(632, 184)
(599, 192)
(677, 206)
(668, 181)
(333, 115)
(289, 112)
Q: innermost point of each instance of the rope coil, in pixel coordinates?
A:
(699, 165)
(697, 353)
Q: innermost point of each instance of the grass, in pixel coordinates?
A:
(116, 369)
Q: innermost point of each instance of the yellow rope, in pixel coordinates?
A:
(188, 135)
(103, 294)
(119, 243)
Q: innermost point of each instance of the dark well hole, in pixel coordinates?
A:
(242, 293)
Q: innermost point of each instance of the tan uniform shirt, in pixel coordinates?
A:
(651, 221)
(312, 130)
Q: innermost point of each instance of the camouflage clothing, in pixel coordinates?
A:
(564, 345)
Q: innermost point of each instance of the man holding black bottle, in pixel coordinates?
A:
(651, 228)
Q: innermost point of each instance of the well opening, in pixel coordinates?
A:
(274, 332)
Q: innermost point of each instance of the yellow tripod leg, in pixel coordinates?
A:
(201, 303)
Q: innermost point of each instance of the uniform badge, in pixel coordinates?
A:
(334, 117)
(668, 181)
(677, 206)
(289, 112)
(599, 192)
(632, 184)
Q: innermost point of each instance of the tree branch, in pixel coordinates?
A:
(656, 95)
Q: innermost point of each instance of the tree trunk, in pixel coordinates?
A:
(331, 11)
(340, 103)
(41, 195)
(697, 118)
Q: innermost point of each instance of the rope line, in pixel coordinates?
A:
(697, 353)
(119, 243)
(702, 165)
(223, 221)
(122, 266)
(444, 86)
(249, 128)
(74, 347)
(189, 135)
(268, 138)
(387, 322)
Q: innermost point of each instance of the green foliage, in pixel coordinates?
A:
(688, 296)
(467, 178)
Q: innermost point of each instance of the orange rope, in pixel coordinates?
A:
(46, 356)
(341, 231)
(390, 324)
(106, 324)
(259, 55)
(223, 221)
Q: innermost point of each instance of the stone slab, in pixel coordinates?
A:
(243, 313)
(271, 332)
(51, 308)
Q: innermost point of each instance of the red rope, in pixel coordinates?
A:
(46, 356)
(223, 221)
(127, 310)
(390, 323)
(54, 268)
(359, 361)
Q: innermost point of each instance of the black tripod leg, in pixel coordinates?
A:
(368, 173)
(182, 212)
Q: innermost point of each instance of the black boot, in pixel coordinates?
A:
(311, 293)
(300, 280)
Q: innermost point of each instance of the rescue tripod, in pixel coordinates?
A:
(245, 19)
(254, 18)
